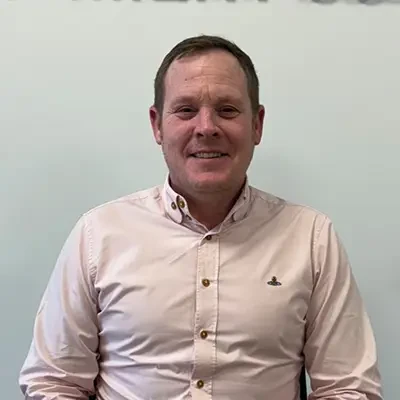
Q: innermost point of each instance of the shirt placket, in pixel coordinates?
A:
(206, 316)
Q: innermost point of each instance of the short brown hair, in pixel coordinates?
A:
(203, 43)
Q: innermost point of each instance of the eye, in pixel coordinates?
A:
(185, 112)
(228, 111)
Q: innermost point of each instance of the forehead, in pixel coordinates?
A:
(214, 71)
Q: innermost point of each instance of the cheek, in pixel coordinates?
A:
(177, 135)
(241, 139)
(174, 143)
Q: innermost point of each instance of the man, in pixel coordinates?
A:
(204, 287)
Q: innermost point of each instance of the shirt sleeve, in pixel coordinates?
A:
(62, 359)
(340, 350)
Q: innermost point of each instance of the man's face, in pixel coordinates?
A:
(207, 129)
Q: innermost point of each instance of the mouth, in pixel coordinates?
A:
(208, 155)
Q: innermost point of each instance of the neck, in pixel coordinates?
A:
(211, 208)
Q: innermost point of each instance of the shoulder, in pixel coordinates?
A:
(146, 200)
(293, 215)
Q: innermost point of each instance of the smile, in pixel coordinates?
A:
(208, 155)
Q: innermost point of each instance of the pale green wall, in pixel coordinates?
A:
(75, 86)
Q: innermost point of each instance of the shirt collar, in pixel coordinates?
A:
(176, 207)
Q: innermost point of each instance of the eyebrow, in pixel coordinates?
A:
(184, 99)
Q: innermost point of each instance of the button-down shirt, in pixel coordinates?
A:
(147, 303)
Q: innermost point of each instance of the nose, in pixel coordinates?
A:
(206, 123)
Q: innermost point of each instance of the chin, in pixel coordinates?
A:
(211, 184)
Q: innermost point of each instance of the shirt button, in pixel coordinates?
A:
(203, 334)
(200, 384)
(181, 203)
(208, 237)
(173, 205)
(206, 282)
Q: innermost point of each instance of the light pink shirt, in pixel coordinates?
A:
(146, 303)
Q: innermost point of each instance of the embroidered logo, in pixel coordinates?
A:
(274, 282)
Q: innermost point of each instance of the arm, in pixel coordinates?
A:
(62, 359)
(340, 350)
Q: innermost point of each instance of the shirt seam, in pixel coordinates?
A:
(131, 197)
(90, 258)
(278, 200)
(318, 235)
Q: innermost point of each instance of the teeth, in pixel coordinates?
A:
(208, 155)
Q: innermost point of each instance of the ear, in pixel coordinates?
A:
(155, 120)
(258, 124)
